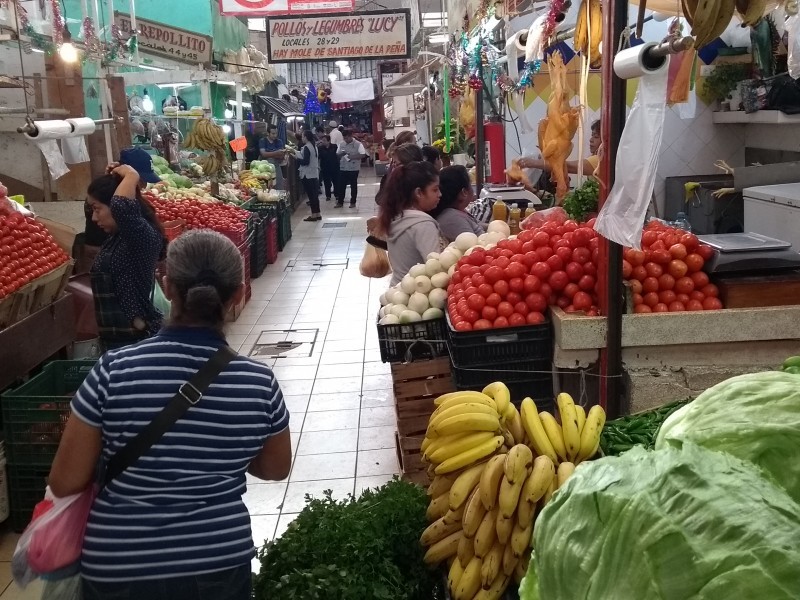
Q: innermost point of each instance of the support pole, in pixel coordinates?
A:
(615, 19)
(480, 142)
(237, 126)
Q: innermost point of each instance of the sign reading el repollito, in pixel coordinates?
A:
(265, 8)
(169, 42)
(378, 34)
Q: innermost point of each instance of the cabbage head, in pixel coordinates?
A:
(674, 524)
(755, 417)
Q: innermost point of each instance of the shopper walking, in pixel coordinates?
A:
(328, 165)
(273, 150)
(336, 136)
(351, 152)
(308, 166)
(171, 525)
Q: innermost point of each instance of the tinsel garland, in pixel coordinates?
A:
(57, 23)
(92, 44)
(553, 13)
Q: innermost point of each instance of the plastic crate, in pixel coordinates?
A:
(26, 487)
(258, 249)
(271, 237)
(172, 229)
(238, 236)
(524, 378)
(500, 346)
(35, 413)
(413, 341)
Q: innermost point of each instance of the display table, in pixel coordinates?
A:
(36, 338)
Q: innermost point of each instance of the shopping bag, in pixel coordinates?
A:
(375, 262)
(160, 301)
(67, 588)
(54, 538)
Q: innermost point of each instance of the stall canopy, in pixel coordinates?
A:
(277, 106)
(352, 90)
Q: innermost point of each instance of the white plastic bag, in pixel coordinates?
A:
(793, 43)
(622, 217)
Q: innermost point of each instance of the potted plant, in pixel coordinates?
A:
(722, 81)
(456, 153)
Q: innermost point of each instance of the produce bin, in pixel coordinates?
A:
(500, 346)
(284, 222)
(271, 236)
(35, 295)
(523, 378)
(258, 248)
(412, 341)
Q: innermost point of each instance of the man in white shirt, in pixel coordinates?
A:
(336, 136)
(351, 152)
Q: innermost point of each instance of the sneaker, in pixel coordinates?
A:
(312, 218)
(352, 205)
(339, 205)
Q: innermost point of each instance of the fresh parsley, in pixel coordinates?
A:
(582, 201)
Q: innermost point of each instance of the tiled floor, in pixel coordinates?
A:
(338, 393)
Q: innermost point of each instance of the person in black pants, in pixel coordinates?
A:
(308, 165)
(350, 153)
(329, 165)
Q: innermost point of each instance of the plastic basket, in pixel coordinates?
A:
(271, 239)
(523, 378)
(26, 486)
(258, 249)
(172, 229)
(423, 339)
(35, 413)
(237, 236)
(500, 346)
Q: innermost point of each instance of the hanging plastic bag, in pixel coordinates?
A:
(680, 76)
(68, 588)
(622, 217)
(160, 301)
(375, 262)
(793, 43)
(54, 539)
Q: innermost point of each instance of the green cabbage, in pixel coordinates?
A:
(755, 417)
(674, 524)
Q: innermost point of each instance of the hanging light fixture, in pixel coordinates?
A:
(332, 77)
(228, 113)
(67, 51)
(226, 129)
(147, 103)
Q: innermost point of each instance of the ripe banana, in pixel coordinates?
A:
(595, 32)
(565, 471)
(489, 485)
(581, 39)
(438, 507)
(492, 564)
(495, 590)
(463, 396)
(551, 489)
(460, 409)
(525, 512)
(553, 431)
(504, 525)
(755, 10)
(442, 448)
(464, 485)
(473, 514)
(539, 480)
(519, 461)
(521, 538)
(437, 531)
(535, 430)
(454, 575)
(486, 534)
(515, 426)
(509, 560)
(470, 581)
(469, 456)
(507, 437)
(432, 444)
(580, 413)
(467, 422)
(466, 550)
(569, 425)
(590, 436)
(522, 567)
(455, 516)
(443, 549)
(508, 498)
(441, 484)
(498, 391)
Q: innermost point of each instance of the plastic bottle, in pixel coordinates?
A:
(499, 210)
(514, 217)
(529, 211)
(681, 222)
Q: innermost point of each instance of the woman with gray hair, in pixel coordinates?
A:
(169, 522)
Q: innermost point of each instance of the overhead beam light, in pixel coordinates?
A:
(438, 38)
(332, 77)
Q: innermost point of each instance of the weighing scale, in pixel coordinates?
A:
(511, 194)
(748, 252)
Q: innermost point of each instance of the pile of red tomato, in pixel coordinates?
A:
(27, 251)
(513, 283)
(666, 275)
(199, 215)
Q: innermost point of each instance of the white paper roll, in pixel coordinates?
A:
(50, 130)
(82, 126)
(634, 62)
(515, 47)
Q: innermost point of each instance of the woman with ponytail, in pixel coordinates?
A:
(411, 191)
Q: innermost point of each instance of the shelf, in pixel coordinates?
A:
(762, 117)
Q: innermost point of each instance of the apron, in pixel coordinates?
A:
(113, 326)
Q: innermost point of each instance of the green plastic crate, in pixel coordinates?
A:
(35, 413)
(26, 487)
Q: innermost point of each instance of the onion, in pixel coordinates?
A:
(499, 227)
(418, 303)
(410, 316)
(407, 285)
(432, 313)
(437, 298)
(417, 270)
(440, 280)
(432, 267)
(466, 240)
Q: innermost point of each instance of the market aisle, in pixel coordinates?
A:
(337, 389)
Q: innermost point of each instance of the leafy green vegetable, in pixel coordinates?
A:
(582, 201)
(622, 434)
(357, 549)
(675, 524)
(755, 417)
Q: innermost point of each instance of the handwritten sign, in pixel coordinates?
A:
(165, 41)
(380, 34)
(239, 144)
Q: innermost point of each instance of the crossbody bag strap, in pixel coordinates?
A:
(187, 396)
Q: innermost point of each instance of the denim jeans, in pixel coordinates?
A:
(231, 584)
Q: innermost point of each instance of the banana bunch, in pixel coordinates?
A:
(751, 11)
(709, 18)
(206, 135)
(589, 31)
(249, 181)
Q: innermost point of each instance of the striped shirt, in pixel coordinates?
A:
(178, 510)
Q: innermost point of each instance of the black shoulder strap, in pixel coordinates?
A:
(188, 395)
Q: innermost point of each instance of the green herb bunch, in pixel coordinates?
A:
(356, 549)
(582, 201)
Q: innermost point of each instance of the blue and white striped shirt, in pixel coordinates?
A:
(178, 510)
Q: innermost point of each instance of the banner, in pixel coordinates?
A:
(381, 34)
(265, 8)
(162, 40)
(352, 90)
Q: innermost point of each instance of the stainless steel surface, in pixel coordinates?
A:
(743, 242)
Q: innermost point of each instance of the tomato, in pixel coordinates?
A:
(528, 247)
(515, 270)
(564, 253)
(464, 268)
(540, 239)
(700, 279)
(500, 322)
(489, 313)
(666, 282)
(513, 297)
(650, 284)
(456, 278)
(535, 318)
(476, 257)
(531, 283)
(536, 302)
(694, 305)
(562, 302)
(517, 320)
(637, 299)
(558, 280)
(710, 291)
(587, 283)
(661, 257)
(546, 290)
(525, 236)
(636, 286)
(642, 308)
(570, 290)
(666, 296)
(627, 268)
(470, 290)
(476, 301)
(654, 269)
(516, 284)
(470, 315)
(649, 238)
(544, 252)
(505, 309)
(555, 263)
(678, 251)
(493, 299)
(582, 237)
(639, 273)
(481, 324)
(463, 326)
(636, 258)
(707, 252)
(581, 255)
(478, 280)
(493, 274)
(712, 303)
(694, 262)
(677, 307)
(697, 295)
(677, 268)
(574, 271)
(582, 301)
(542, 270)
(501, 287)
(650, 298)
(521, 308)
(682, 298)
(529, 259)
(502, 262)
(684, 285)
(485, 289)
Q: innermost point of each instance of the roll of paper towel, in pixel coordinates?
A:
(82, 126)
(636, 62)
(50, 130)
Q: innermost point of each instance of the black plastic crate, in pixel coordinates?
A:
(500, 346)
(258, 249)
(423, 339)
(523, 378)
(35, 413)
(26, 487)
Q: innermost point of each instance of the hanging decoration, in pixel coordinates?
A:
(37, 39)
(92, 44)
(119, 47)
(555, 14)
(312, 106)
(57, 23)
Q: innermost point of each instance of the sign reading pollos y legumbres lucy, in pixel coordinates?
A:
(162, 40)
(379, 34)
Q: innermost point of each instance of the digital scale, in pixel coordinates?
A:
(511, 194)
(749, 252)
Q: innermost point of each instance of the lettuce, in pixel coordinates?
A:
(674, 524)
(755, 417)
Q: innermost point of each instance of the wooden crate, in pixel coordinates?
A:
(34, 296)
(409, 457)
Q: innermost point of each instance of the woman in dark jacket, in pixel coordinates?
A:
(329, 165)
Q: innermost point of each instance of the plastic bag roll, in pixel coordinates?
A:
(50, 130)
(635, 62)
(514, 47)
(82, 126)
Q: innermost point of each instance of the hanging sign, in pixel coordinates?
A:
(238, 144)
(168, 42)
(266, 8)
(380, 34)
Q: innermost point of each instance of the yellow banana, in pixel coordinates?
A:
(495, 590)
(504, 526)
(590, 436)
(580, 413)
(519, 461)
(470, 581)
(539, 480)
(522, 567)
(441, 484)
(489, 485)
(442, 448)
(486, 534)
(426, 442)
(509, 560)
(438, 507)
(443, 549)
(565, 471)
(525, 512)
(432, 444)
(492, 565)
(437, 531)
(463, 396)
(508, 498)
(551, 489)
(498, 391)
(470, 456)
(754, 12)
(581, 39)
(454, 575)
(466, 550)
(455, 516)
(460, 409)
(569, 425)
(464, 485)
(515, 426)
(596, 32)
(553, 431)
(507, 437)
(466, 423)
(521, 538)
(473, 514)
(535, 430)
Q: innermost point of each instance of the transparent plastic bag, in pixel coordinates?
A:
(540, 217)
(375, 262)
(67, 588)
(793, 43)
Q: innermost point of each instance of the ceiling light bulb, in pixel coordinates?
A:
(68, 52)
(147, 104)
(226, 129)
(228, 113)
(332, 77)
(341, 63)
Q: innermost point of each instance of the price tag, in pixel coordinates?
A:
(239, 144)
